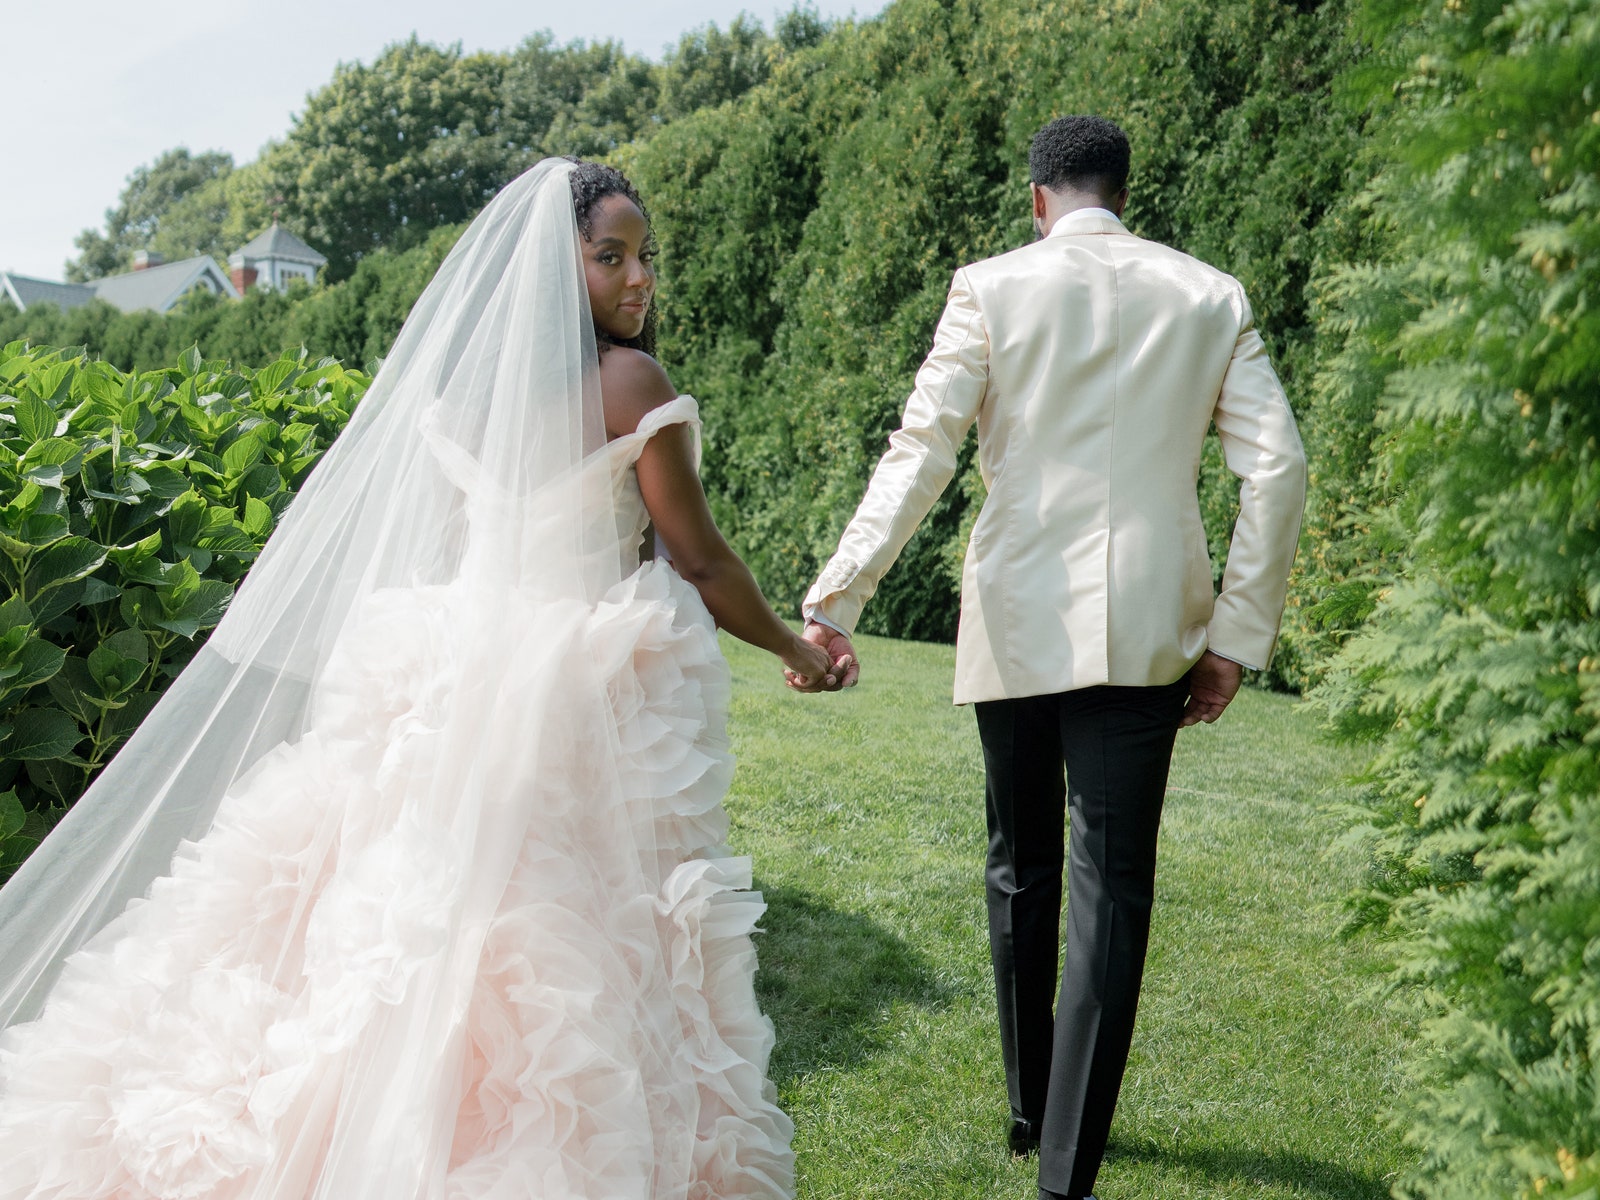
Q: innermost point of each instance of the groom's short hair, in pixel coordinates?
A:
(1083, 152)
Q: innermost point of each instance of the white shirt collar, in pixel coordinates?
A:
(1067, 222)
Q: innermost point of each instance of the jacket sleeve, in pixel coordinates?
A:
(1262, 447)
(921, 460)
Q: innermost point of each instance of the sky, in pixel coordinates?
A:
(92, 89)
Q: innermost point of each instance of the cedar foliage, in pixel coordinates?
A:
(1476, 335)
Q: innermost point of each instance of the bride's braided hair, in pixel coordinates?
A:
(591, 183)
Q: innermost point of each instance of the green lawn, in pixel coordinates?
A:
(1258, 1065)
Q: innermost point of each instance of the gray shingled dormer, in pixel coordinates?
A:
(274, 260)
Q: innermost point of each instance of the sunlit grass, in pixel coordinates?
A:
(1253, 1074)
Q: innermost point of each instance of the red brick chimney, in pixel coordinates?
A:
(244, 278)
(145, 259)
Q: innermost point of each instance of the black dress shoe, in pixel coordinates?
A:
(1023, 1138)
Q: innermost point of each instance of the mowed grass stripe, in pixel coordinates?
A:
(1259, 1065)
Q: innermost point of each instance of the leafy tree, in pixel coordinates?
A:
(197, 223)
(384, 154)
(584, 98)
(153, 195)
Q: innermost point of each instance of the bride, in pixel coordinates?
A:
(413, 885)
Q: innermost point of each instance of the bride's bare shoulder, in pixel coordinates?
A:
(631, 385)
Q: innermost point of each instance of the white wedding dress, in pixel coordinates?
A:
(222, 1037)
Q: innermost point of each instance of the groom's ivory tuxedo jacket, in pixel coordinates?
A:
(1093, 362)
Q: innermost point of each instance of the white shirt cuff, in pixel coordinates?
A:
(811, 614)
(1232, 659)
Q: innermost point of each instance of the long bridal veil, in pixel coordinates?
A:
(461, 471)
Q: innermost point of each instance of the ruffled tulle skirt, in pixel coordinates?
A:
(335, 993)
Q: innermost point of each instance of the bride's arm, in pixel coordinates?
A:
(633, 384)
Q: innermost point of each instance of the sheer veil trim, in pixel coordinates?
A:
(494, 377)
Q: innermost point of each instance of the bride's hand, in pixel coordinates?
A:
(808, 667)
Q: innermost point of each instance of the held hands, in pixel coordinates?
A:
(838, 665)
(1213, 682)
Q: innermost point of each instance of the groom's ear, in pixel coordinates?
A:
(1038, 201)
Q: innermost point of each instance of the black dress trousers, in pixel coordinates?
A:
(1064, 1068)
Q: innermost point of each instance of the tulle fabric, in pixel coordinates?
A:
(606, 1041)
(410, 886)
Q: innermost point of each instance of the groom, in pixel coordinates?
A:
(1093, 362)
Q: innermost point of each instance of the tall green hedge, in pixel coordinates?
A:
(1477, 674)
(130, 508)
(812, 227)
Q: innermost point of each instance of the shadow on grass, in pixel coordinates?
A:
(828, 978)
(1308, 1175)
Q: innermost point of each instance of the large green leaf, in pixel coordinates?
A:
(12, 815)
(35, 517)
(41, 733)
(36, 419)
(130, 643)
(229, 539)
(165, 480)
(98, 591)
(257, 518)
(66, 453)
(245, 453)
(139, 562)
(61, 778)
(263, 481)
(186, 521)
(58, 601)
(34, 663)
(113, 673)
(139, 608)
(75, 691)
(98, 381)
(232, 386)
(120, 723)
(270, 378)
(15, 849)
(15, 614)
(199, 608)
(66, 561)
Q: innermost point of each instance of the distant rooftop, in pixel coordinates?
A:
(24, 290)
(278, 242)
(158, 287)
(281, 257)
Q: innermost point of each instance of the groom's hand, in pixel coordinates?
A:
(846, 667)
(1213, 682)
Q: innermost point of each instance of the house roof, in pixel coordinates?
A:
(278, 242)
(161, 287)
(23, 291)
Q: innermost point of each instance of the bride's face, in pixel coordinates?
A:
(619, 264)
